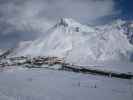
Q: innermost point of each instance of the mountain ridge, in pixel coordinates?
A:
(79, 43)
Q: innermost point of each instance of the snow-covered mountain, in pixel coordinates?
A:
(79, 43)
(1, 51)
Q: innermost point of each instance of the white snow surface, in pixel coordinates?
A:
(45, 84)
(1, 51)
(81, 44)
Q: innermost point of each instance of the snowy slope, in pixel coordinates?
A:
(1, 51)
(59, 85)
(78, 43)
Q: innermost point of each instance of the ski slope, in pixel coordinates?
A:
(31, 84)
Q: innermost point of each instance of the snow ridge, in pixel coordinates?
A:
(79, 43)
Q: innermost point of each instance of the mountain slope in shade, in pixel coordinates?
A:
(79, 43)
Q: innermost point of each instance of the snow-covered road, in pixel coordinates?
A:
(38, 84)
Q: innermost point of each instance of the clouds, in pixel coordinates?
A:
(27, 18)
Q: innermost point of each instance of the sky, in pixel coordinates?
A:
(126, 7)
(22, 20)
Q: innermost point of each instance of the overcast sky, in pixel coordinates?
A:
(25, 19)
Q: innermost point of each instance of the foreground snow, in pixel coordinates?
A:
(39, 84)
